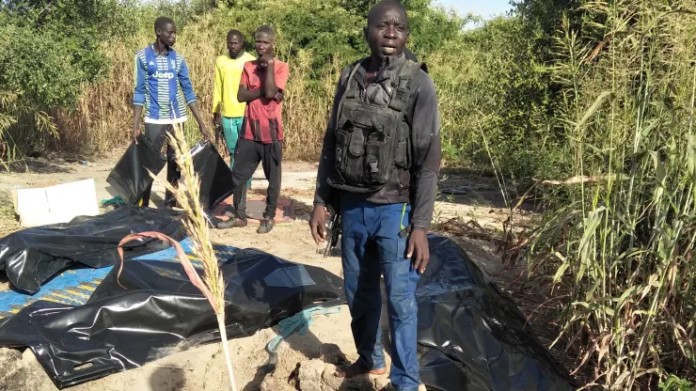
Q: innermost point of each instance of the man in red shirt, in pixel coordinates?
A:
(262, 85)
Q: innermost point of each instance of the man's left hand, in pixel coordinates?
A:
(418, 250)
(279, 96)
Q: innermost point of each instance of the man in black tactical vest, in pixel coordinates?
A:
(379, 166)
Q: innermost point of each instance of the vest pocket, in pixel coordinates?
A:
(357, 142)
(366, 138)
(373, 162)
(401, 158)
(350, 149)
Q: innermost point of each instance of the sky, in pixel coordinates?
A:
(484, 8)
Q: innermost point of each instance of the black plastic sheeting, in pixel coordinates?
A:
(472, 337)
(130, 176)
(214, 173)
(161, 313)
(32, 256)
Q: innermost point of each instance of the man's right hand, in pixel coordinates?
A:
(217, 119)
(266, 58)
(317, 223)
(136, 133)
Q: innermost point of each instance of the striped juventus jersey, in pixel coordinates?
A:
(162, 86)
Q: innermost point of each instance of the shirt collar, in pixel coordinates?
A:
(169, 50)
(242, 54)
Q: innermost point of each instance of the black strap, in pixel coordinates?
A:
(402, 89)
(347, 93)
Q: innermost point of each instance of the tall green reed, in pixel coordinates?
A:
(623, 246)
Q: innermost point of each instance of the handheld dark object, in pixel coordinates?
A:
(214, 174)
(333, 228)
(130, 178)
(218, 132)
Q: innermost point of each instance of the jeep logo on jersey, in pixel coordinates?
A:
(163, 75)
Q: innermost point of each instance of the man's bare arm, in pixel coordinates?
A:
(269, 88)
(137, 112)
(246, 95)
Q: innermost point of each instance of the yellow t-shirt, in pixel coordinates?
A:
(228, 73)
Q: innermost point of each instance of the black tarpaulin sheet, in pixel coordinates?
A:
(161, 312)
(441, 373)
(32, 256)
(214, 173)
(130, 176)
(473, 337)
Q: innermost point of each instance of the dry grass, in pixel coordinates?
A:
(103, 117)
(8, 222)
(196, 223)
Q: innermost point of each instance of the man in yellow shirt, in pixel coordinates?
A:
(227, 110)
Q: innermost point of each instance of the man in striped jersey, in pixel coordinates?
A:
(162, 91)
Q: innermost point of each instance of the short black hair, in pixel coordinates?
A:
(382, 5)
(266, 29)
(161, 22)
(235, 33)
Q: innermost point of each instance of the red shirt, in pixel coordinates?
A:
(263, 117)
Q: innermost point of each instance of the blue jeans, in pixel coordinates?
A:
(371, 247)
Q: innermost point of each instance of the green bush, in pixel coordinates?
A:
(50, 49)
(48, 69)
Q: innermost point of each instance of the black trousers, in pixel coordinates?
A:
(157, 134)
(247, 157)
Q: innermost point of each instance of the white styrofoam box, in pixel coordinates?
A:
(56, 204)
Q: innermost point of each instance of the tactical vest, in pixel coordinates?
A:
(371, 139)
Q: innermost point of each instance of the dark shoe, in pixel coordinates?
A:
(232, 223)
(266, 226)
(212, 221)
(229, 212)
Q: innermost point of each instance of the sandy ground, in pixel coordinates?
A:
(329, 340)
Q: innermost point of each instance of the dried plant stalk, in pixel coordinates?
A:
(187, 195)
